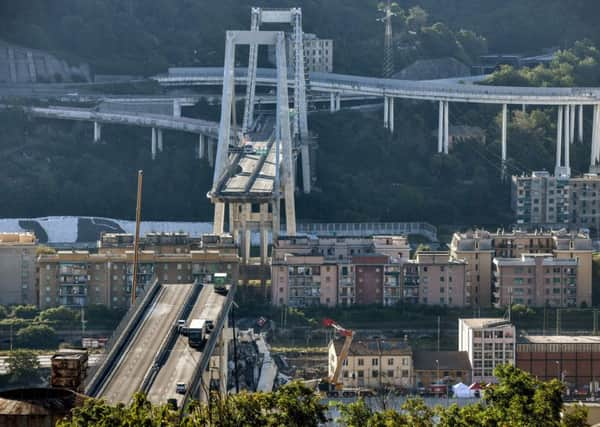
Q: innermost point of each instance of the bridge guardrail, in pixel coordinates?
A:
(170, 339)
(117, 341)
(208, 350)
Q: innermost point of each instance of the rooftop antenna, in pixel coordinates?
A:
(136, 242)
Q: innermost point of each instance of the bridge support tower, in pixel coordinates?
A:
(243, 219)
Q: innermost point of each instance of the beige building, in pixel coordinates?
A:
(17, 268)
(538, 280)
(477, 251)
(488, 342)
(80, 278)
(337, 270)
(434, 278)
(479, 248)
(373, 363)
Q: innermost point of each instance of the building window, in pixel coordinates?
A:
(391, 361)
(404, 373)
(375, 373)
(360, 373)
(361, 362)
(374, 362)
(390, 373)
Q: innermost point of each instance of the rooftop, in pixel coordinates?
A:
(487, 322)
(559, 339)
(366, 347)
(448, 360)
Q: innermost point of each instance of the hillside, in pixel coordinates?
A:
(146, 36)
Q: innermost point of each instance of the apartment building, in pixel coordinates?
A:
(337, 270)
(81, 278)
(318, 53)
(538, 280)
(373, 363)
(435, 278)
(17, 268)
(489, 342)
(478, 248)
(543, 199)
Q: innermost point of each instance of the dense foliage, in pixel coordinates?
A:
(577, 66)
(518, 400)
(145, 36)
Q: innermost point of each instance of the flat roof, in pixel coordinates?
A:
(486, 322)
(559, 339)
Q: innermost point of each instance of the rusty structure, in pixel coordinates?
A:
(69, 369)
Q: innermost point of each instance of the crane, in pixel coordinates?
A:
(332, 385)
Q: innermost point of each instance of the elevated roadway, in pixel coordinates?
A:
(182, 360)
(129, 371)
(371, 86)
(184, 124)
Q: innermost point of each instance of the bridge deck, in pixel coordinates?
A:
(182, 359)
(373, 86)
(139, 356)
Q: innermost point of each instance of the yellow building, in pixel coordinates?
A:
(80, 278)
(373, 363)
(17, 268)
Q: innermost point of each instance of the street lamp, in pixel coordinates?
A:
(437, 364)
(557, 369)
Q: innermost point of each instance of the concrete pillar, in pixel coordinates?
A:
(332, 102)
(567, 133)
(159, 134)
(211, 152)
(446, 128)
(391, 112)
(386, 115)
(219, 218)
(153, 144)
(97, 132)
(580, 127)
(245, 234)
(201, 146)
(524, 108)
(176, 108)
(504, 137)
(338, 101)
(572, 124)
(441, 127)
(305, 159)
(264, 242)
(275, 215)
(559, 131)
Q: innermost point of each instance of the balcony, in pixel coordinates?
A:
(346, 281)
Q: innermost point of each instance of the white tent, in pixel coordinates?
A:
(462, 390)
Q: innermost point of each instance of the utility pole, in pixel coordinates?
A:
(136, 242)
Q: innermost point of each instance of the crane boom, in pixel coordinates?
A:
(349, 335)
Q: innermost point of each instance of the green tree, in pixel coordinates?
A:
(37, 337)
(60, 317)
(25, 311)
(22, 364)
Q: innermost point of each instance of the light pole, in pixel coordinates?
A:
(557, 369)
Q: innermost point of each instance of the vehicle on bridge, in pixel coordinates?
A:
(198, 332)
(219, 281)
